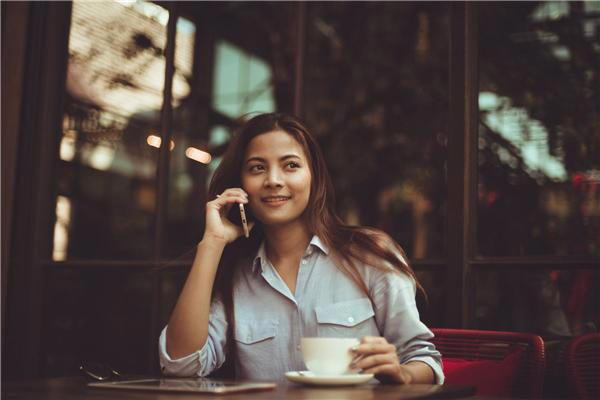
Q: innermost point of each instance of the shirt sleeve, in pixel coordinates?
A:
(204, 361)
(398, 320)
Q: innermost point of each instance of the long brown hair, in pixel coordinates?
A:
(349, 245)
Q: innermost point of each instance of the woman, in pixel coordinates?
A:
(301, 273)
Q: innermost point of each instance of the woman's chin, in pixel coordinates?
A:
(278, 221)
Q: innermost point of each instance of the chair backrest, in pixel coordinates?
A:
(583, 366)
(494, 345)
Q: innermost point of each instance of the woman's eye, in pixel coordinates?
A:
(292, 165)
(256, 168)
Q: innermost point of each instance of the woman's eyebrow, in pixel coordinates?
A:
(250, 159)
(288, 156)
(282, 158)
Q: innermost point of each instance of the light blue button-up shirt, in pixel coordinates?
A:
(270, 319)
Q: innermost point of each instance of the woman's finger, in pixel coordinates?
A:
(233, 192)
(356, 359)
(226, 200)
(375, 360)
(373, 339)
(370, 348)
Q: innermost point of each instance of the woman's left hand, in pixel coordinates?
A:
(374, 355)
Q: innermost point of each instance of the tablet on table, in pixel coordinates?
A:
(189, 385)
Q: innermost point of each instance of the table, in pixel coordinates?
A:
(76, 389)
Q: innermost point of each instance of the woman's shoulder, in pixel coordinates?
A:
(374, 275)
(377, 255)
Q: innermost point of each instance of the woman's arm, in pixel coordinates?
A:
(188, 326)
(404, 352)
(419, 371)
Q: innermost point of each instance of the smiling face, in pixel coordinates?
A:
(276, 175)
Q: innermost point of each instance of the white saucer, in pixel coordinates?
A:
(310, 378)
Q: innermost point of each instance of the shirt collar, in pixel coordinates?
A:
(260, 260)
(316, 242)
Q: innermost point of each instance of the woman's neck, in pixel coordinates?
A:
(286, 243)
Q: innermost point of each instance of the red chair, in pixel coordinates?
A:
(583, 366)
(503, 364)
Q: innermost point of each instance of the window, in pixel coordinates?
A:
(539, 166)
(538, 137)
(107, 169)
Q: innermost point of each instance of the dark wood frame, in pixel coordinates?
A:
(14, 21)
(32, 224)
(462, 161)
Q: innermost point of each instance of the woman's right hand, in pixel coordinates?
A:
(218, 226)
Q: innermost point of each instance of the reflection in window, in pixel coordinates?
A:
(242, 82)
(67, 145)
(184, 59)
(219, 136)
(376, 94)
(116, 55)
(554, 304)
(538, 139)
(550, 10)
(107, 167)
(61, 228)
(528, 138)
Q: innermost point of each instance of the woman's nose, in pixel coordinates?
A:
(274, 178)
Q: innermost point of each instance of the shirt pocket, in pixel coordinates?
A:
(251, 332)
(349, 318)
(255, 342)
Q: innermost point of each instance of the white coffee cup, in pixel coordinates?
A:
(328, 356)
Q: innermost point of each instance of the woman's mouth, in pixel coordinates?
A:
(275, 200)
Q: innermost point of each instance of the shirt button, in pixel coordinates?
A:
(304, 262)
(351, 319)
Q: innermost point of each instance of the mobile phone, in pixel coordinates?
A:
(244, 220)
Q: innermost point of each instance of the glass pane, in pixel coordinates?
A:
(107, 166)
(539, 147)
(234, 74)
(243, 82)
(376, 93)
(554, 304)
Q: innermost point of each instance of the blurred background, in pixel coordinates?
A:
(468, 132)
